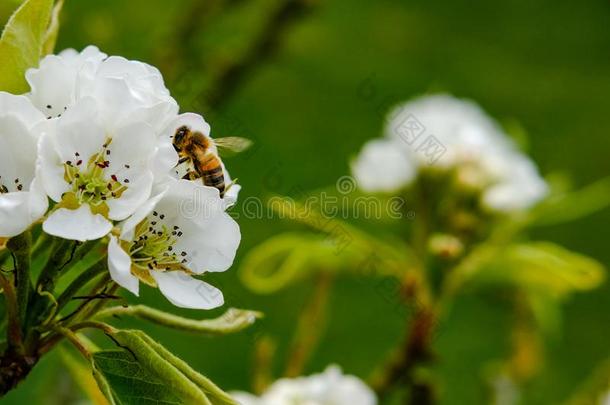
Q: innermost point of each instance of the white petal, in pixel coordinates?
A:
(128, 227)
(119, 265)
(185, 291)
(135, 195)
(384, 166)
(211, 247)
(18, 210)
(50, 169)
(133, 145)
(166, 158)
(21, 107)
(52, 85)
(79, 131)
(210, 236)
(17, 153)
(244, 398)
(80, 224)
(194, 121)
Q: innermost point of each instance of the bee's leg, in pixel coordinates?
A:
(191, 175)
(230, 185)
(182, 160)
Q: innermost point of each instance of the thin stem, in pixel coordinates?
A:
(104, 327)
(403, 365)
(14, 329)
(20, 246)
(89, 308)
(310, 327)
(83, 279)
(73, 338)
(61, 253)
(76, 314)
(229, 77)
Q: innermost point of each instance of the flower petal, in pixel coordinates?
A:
(211, 247)
(17, 153)
(129, 225)
(185, 291)
(80, 224)
(383, 166)
(15, 215)
(119, 265)
(50, 169)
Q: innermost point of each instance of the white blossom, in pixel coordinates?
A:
(22, 200)
(466, 140)
(96, 175)
(381, 166)
(125, 89)
(55, 83)
(182, 231)
(331, 387)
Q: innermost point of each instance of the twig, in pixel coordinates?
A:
(85, 277)
(310, 327)
(73, 338)
(414, 353)
(20, 249)
(265, 45)
(12, 310)
(102, 285)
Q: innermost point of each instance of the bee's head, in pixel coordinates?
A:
(180, 137)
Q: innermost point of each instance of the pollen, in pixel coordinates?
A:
(90, 181)
(154, 247)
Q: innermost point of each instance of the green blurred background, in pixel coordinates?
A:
(316, 91)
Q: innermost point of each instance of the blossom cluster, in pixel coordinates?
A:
(458, 136)
(88, 153)
(330, 387)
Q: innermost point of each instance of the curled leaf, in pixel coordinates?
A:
(287, 258)
(541, 265)
(233, 320)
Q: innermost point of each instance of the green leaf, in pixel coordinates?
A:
(567, 206)
(21, 44)
(81, 374)
(233, 320)
(151, 361)
(217, 395)
(123, 380)
(50, 37)
(145, 372)
(541, 266)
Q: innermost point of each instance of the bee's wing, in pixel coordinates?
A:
(231, 145)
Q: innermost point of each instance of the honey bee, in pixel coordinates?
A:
(203, 152)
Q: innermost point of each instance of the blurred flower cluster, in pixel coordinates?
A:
(464, 143)
(329, 387)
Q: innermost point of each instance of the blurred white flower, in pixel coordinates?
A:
(95, 174)
(22, 200)
(331, 387)
(463, 138)
(182, 230)
(382, 166)
(605, 399)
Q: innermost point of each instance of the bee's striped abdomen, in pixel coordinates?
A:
(212, 173)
